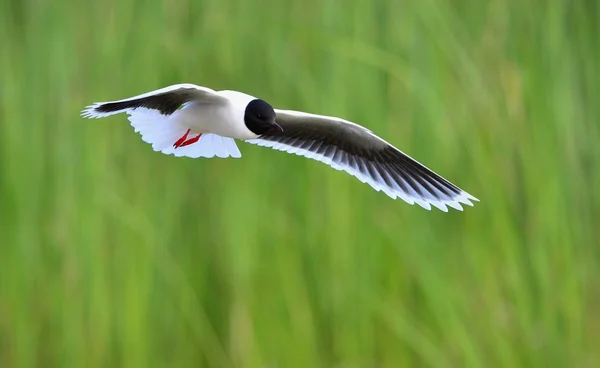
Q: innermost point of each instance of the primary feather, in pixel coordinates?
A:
(354, 149)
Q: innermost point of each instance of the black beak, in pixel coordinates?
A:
(276, 128)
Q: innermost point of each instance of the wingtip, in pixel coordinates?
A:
(470, 196)
(464, 200)
(89, 112)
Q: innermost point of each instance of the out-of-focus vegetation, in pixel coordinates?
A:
(114, 255)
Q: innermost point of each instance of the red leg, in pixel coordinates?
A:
(181, 140)
(191, 140)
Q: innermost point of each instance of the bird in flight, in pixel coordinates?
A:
(187, 120)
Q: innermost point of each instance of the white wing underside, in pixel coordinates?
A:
(162, 131)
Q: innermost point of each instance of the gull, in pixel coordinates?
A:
(187, 120)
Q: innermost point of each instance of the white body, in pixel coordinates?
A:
(225, 119)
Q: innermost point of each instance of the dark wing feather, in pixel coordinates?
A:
(165, 100)
(166, 103)
(356, 150)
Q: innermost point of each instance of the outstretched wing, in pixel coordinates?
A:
(165, 101)
(152, 116)
(354, 149)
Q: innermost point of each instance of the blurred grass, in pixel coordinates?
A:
(114, 255)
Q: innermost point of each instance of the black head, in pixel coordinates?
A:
(260, 118)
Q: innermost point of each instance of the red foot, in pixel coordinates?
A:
(191, 140)
(181, 140)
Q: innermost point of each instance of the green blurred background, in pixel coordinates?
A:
(112, 255)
